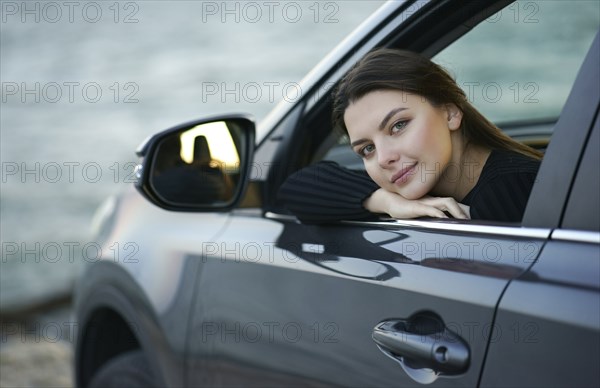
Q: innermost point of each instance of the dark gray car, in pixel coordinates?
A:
(227, 288)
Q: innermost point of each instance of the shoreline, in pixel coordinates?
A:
(41, 306)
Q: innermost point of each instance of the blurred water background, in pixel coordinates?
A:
(84, 83)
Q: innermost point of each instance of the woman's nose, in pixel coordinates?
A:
(387, 155)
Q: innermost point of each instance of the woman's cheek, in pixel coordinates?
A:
(376, 175)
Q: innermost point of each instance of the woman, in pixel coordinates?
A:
(427, 151)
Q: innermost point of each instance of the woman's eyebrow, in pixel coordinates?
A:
(389, 116)
(357, 142)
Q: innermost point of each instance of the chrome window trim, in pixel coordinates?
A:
(446, 226)
(281, 217)
(576, 236)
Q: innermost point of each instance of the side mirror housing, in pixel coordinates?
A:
(202, 165)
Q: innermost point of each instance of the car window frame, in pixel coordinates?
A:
(314, 105)
(582, 211)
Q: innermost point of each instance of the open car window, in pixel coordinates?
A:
(517, 67)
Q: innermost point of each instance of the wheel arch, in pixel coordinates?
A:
(102, 337)
(113, 317)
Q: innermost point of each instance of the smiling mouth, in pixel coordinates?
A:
(403, 175)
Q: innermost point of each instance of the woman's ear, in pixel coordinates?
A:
(454, 116)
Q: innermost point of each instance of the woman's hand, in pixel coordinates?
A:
(382, 201)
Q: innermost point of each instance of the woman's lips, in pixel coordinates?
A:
(403, 175)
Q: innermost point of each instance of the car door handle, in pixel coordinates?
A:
(430, 346)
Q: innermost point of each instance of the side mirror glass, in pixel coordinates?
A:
(201, 165)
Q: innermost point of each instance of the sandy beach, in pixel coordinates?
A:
(36, 351)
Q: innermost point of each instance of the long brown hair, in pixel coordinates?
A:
(388, 69)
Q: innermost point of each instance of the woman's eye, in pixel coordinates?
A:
(367, 150)
(398, 126)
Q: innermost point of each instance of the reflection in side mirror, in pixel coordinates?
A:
(199, 166)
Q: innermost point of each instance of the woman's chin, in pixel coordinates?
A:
(412, 193)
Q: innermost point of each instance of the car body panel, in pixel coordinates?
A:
(550, 323)
(148, 282)
(298, 296)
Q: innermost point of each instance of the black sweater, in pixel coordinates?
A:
(327, 192)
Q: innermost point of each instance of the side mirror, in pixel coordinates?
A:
(201, 165)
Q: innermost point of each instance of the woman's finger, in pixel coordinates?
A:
(453, 208)
(447, 204)
(422, 209)
(466, 209)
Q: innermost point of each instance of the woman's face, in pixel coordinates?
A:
(404, 141)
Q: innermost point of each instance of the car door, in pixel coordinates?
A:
(387, 303)
(287, 303)
(552, 312)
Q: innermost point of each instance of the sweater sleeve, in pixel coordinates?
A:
(326, 192)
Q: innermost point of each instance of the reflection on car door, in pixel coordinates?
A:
(284, 303)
